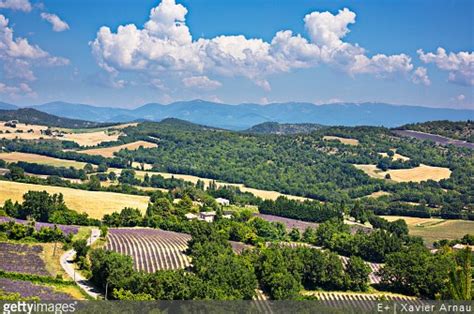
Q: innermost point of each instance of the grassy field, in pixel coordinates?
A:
(348, 141)
(432, 229)
(109, 151)
(417, 174)
(95, 204)
(40, 159)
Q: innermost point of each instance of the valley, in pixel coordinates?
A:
(167, 196)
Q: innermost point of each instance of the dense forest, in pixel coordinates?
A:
(306, 165)
(462, 130)
(284, 128)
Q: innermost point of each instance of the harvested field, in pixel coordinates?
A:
(95, 203)
(91, 138)
(41, 159)
(109, 151)
(343, 140)
(432, 229)
(83, 137)
(417, 174)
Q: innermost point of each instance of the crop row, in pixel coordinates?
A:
(27, 289)
(150, 249)
(360, 300)
(22, 258)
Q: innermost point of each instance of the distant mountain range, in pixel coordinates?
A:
(243, 116)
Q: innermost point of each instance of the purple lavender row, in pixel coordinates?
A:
(22, 258)
(288, 222)
(27, 289)
(66, 229)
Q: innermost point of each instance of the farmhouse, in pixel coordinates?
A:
(223, 201)
(207, 216)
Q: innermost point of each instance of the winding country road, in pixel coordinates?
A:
(68, 266)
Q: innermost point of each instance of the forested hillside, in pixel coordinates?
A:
(461, 130)
(33, 116)
(308, 165)
(284, 128)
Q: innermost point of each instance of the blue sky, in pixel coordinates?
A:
(118, 53)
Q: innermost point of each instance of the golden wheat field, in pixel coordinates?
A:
(432, 229)
(417, 174)
(348, 141)
(41, 159)
(91, 138)
(94, 203)
(109, 151)
(85, 137)
(396, 156)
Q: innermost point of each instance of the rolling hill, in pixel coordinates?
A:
(33, 116)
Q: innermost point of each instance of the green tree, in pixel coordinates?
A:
(460, 277)
(357, 274)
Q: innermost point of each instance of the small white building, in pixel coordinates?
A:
(460, 246)
(190, 216)
(223, 201)
(207, 216)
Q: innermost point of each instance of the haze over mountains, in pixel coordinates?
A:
(243, 116)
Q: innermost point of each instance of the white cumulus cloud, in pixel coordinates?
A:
(459, 65)
(201, 82)
(164, 47)
(18, 5)
(58, 24)
(420, 76)
(19, 57)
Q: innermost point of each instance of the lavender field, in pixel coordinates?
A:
(288, 222)
(22, 258)
(38, 225)
(27, 289)
(150, 249)
(434, 137)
